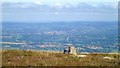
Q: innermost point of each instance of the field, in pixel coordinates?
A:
(44, 58)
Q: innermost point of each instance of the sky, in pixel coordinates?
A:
(61, 0)
(59, 10)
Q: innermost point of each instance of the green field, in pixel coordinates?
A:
(44, 58)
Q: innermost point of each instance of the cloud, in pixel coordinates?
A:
(81, 5)
(41, 11)
(39, 2)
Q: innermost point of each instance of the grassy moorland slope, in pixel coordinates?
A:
(38, 58)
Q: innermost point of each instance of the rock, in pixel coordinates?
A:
(79, 56)
(107, 57)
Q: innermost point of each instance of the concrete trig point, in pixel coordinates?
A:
(70, 50)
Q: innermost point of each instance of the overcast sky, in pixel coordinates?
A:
(59, 10)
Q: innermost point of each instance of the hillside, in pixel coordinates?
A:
(42, 58)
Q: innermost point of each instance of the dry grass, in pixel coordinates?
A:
(33, 58)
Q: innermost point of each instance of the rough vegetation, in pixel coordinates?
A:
(38, 58)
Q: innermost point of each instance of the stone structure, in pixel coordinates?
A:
(70, 50)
